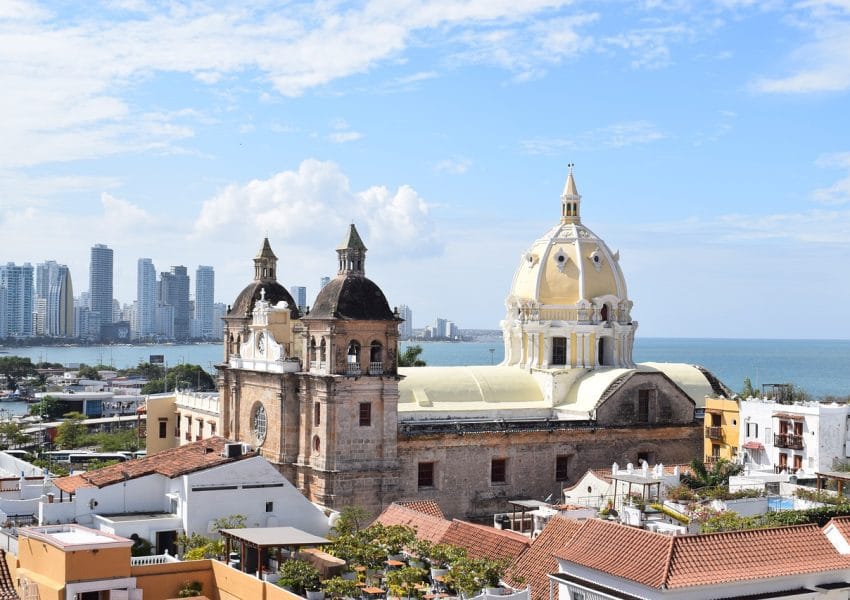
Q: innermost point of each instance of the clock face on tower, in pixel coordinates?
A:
(261, 342)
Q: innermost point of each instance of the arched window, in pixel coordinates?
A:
(604, 312)
(353, 366)
(323, 355)
(376, 358)
(312, 349)
(601, 352)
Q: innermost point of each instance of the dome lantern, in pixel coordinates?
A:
(570, 200)
(352, 253)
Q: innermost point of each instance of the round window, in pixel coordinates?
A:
(259, 423)
(561, 258)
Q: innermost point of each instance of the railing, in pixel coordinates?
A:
(352, 369)
(788, 440)
(714, 433)
(319, 365)
(779, 468)
(156, 559)
(376, 368)
(710, 460)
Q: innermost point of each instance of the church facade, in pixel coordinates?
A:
(320, 394)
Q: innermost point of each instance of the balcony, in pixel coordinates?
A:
(352, 369)
(376, 368)
(710, 460)
(788, 440)
(714, 433)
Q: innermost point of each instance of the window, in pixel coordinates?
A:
(798, 462)
(559, 351)
(426, 475)
(317, 443)
(752, 430)
(212, 428)
(365, 414)
(647, 457)
(259, 423)
(269, 506)
(498, 470)
(317, 414)
(562, 471)
(163, 428)
(188, 434)
(643, 406)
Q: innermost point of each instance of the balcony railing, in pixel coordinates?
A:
(714, 433)
(376, 368)
(711, 459)
(788, 440)
(352, 369)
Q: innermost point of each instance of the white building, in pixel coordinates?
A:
(183, 489)
(792, 437)
(204, 301)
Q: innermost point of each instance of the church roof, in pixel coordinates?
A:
(243, 306)
(481, 391)
(351, 240)
(266, 250)
(351, 297)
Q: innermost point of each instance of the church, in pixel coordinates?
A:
(320, 394)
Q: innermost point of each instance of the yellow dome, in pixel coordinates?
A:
(570, 264)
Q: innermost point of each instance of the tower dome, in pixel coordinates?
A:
(568, 304)
(265, 283)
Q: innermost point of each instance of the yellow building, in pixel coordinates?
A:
(67, 562)
(722, 416)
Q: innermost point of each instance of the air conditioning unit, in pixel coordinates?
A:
(233, 450)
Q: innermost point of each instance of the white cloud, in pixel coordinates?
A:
(616, 135)
(341, 137)
(314, 203)
(839, 192)
(453, 166)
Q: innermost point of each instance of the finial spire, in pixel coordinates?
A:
(570, 199)
(352, 253)
(265, 263)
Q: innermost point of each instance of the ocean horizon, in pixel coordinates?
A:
(820, 367)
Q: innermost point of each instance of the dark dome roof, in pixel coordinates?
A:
(351, 297)
(244, 303)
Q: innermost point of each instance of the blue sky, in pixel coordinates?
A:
(711, 142)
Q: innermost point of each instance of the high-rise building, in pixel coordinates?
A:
(299, 294)
(219, 312)
(100, 287)
(4, 330)
(204, 300)
(145, 298)
(405, 329)
(174, 292)
(324, 281)
(18, 282)
(54, 300)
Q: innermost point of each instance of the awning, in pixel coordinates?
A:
(789, 416)
(753, 445)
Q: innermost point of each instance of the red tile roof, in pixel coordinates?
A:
(171, 463)
(842, 524)
(661, 561)
(481, 541)
(427, 526)
(429, 507)
(533, 566)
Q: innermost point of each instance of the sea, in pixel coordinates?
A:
(820, 367)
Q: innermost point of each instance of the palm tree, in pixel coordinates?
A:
(410, 357)
(718, 474)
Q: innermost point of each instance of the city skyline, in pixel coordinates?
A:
(710, 142)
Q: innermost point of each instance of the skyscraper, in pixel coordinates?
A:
(204, 300)
(100, 287)
(324, 281)
(54, 300)
(145, 298)
(174, 292)
(18, 283)
(405, 329)
(299, 294)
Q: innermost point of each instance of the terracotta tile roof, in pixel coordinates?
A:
(429, 507)
(7, 585)
(171, 463)
(481, 541)
(661, 561)
(533, 566)
(427, 526)
(842, 524)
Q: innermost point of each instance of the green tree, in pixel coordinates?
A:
(49, 407)
(72, 432)
(351, 519)
(185, 376)
(702, 476)
(87, 372)
(748, 391)
(15, 368)
(115, 441)
(144, 369)
(12, 434)
(410, 357)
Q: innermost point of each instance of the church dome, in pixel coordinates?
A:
(569, 264)
(265, 278)
(352, 295)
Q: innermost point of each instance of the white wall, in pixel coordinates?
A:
(290, 507)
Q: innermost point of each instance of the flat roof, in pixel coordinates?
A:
(70, 537)
(275, 536)
(636, 478)
(529, 503)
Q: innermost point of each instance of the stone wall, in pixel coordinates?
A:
(668, 404)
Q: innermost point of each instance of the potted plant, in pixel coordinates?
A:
(298, 576)
(190, 589)
(492, 571)
(441, 556)
(402, 582)
(338, 588)
(396, 538)
(419, 549)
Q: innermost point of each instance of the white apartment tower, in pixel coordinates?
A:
(145, 298)
(405, 329)
(204, 300)
(19, 298)
(299, 294)
(100, 287)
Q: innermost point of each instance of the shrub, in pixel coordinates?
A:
(299, 576)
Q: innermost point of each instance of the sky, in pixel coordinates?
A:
(711, 141)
